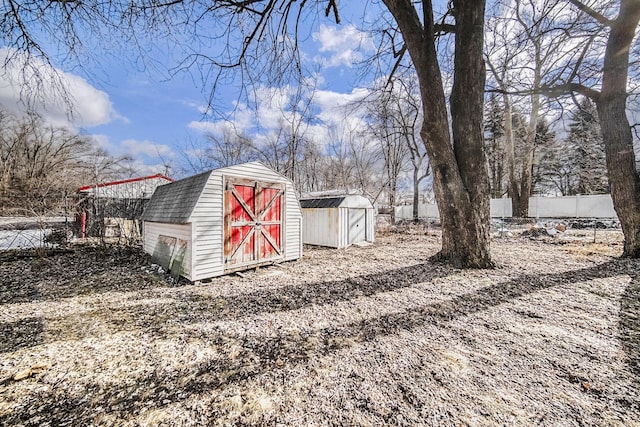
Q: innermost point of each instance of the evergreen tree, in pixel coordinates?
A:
(551, 165)
(586, 146)
(494, 145)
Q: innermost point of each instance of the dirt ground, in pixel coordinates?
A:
(375, 335)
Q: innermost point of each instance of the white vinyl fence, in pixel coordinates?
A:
(596, 206)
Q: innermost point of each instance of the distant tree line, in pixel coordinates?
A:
(380, 155)
(41, 165)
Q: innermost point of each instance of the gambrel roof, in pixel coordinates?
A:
(174, 202)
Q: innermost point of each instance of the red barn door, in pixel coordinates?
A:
(253, 222)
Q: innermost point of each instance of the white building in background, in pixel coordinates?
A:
(339, 221)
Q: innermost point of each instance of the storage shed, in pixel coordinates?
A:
(338, 222)
(222, 221)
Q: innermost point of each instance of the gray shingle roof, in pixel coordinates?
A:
(174, 202)
(325, 202)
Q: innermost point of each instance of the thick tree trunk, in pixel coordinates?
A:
(471, 229)
(616, 132)
(461, 181)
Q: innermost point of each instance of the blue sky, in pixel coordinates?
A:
(151, 117)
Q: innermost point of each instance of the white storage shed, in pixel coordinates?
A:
(338, 222)
(222, 221)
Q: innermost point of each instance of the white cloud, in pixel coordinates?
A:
(146, 148)
(32, 82)
(142, 152)
(334, 103)
(206, 127)
(102, 141)
(143, 169)
(345, 45)
(337, 115)
(219, 127)
(205, 110)
(243, 119)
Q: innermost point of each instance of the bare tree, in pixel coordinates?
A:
(616, 131)
(611, 102)
(421, 167)
(461, 181)
(338, 160)
(314, 169)
(526, 44)
(384, 114)
(262, 40)
(228, 149)
(396, 114)
(40, 164)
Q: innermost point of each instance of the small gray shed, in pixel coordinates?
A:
(223, 220)
(338, 222)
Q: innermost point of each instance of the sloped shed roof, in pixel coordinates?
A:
(174, 202)
(327, 202)
(348, 201)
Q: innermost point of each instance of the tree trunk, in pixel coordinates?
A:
(521, 209)
(513, 186)
(520, 186)
(616, 131)
(416, 194)
(467, 113)
(393, 187)
(461, 181)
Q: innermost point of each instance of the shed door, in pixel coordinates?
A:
(357, 225)
(253, 222)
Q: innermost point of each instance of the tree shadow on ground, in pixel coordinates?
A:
(23, 333)
(82, 272)
(188, 307)
(629, 325)
(263, 354)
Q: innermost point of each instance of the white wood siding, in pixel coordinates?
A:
(207, 217)
(151, 232)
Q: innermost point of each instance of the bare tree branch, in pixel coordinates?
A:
(332, 5)
(551, 91)
(592, 13)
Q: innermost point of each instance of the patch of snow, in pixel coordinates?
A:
(23, 239)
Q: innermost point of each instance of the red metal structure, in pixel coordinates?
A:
(125, 181)
(123, 199)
